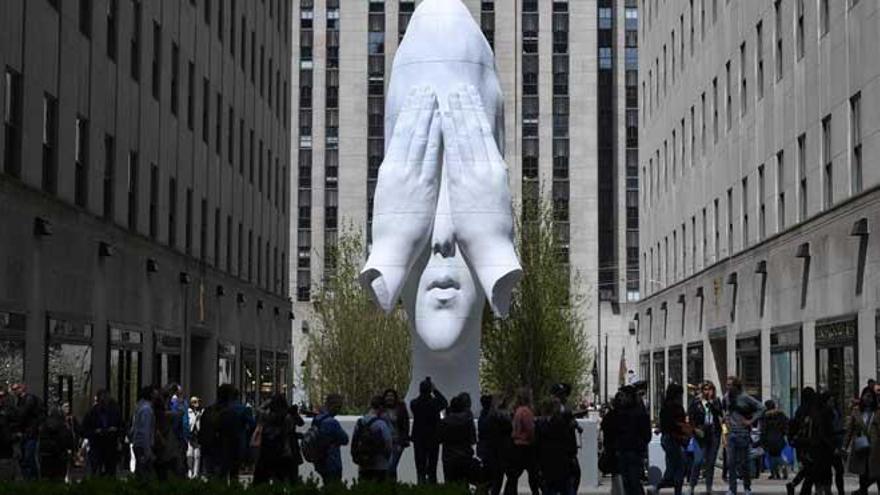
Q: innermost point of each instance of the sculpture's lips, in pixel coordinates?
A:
(443, 283)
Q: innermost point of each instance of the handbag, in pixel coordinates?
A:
(257, 437)
(861, 443)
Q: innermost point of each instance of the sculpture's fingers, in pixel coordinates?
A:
(419, 139)
(451, 156)
(466, 155)
(400, 137)
(431, 168)
(475, 139)
(485, 128)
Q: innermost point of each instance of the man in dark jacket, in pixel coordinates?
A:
(633, 433)
(493, 438)
(556, 445)
(30, 417)
(705, 414)
(426, 410)
(102, 426)
(458, 436)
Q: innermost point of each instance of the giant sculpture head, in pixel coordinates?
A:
(442, 221)
(444, 49)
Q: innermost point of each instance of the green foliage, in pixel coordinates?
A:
(131, 487)
(356, 349)
(543, 341)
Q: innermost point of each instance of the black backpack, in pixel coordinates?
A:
(215, 425)
(367, 443)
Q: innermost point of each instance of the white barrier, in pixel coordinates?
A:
(587, 456)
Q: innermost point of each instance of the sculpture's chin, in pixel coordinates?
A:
(439, 337)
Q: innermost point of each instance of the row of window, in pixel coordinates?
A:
(304, 158)
(331, 153)
(631, 124)
(660, 272)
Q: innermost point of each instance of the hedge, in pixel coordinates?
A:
(133, 487)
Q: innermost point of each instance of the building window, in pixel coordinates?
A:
(189, 221)
(112, 28)
(218, 127)
(175, 78)
(172, 212)
(154, 201)
(203, 229)
(156, 65)
(81, 162)
(827, 164)
(12, 118)
(135, 52)
(743, 93)
(206, 108)
(729, 92)
(85, 18)
(191, 96)
(50, 144)
(855, 113)
(715, 109)
(745, 212)
(780, 191)
(799, 27)
(730, 221)
(802, 176)
(133, 190)
(824, 17)
(109, 176)
(759, 60)
(762, 213)
(777, 7)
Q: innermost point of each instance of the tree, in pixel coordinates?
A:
(356, 349)
(543, 341)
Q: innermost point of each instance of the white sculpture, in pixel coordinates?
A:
(442, 221)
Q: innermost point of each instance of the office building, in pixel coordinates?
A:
(760, 195)
(143, 196)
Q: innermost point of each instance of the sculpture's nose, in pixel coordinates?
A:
(443, 237)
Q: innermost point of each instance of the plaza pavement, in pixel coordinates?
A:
(759, 487)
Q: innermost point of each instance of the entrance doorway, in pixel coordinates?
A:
(167, 363)
(126, 348)
(225, 363)
(718, 347)
(786, 369)
(748, 364)
(694, 368)
(837, 360)
(659, 382)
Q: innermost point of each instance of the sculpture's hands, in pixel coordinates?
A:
(479, 197)
(406, 197)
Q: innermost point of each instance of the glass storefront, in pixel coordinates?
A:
(167, 364)
(837, 360)
(786, 369)
(69, 364)
(282, 366)
(748, 364)
(126, 348)
(267, 375)
(694, 368)
(676, 365)
(12, 337)
(659, 382)
(249, 375)
(225, 363)
(645, 374)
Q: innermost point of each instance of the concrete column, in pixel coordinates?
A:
(809, 353)
(867, 343)
(766, 371)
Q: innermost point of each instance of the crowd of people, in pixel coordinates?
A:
(824, 439)
(168, 436)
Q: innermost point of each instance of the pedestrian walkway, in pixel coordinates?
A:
(759, 487)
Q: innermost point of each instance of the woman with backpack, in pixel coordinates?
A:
(774, 427)
(863, 440)
(676, 433)
(457, 436)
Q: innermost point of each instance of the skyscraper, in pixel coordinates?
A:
(566, 80)
(757, 253)
(144, 196)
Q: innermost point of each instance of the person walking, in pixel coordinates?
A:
(493, 439)
(800, 432)
(555, 446)
(143, 432)
(632, 435)
(102, 427)
(839, 429)
(167, 448)
(458, 435)
(675, 434)
(372, 443)
(523, 453)
(774, 428)
(178, 413)
(329, 438)
(194, 450)
(294, 420)
(30, 413)
(821, 446)
(704, 414)
(426, 409)
(56, 441)
(741, 412)
(397, 416)
(8, 468)
(224, 430)
(863, 440)
(273, 457)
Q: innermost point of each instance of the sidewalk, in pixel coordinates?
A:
(759, 487)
